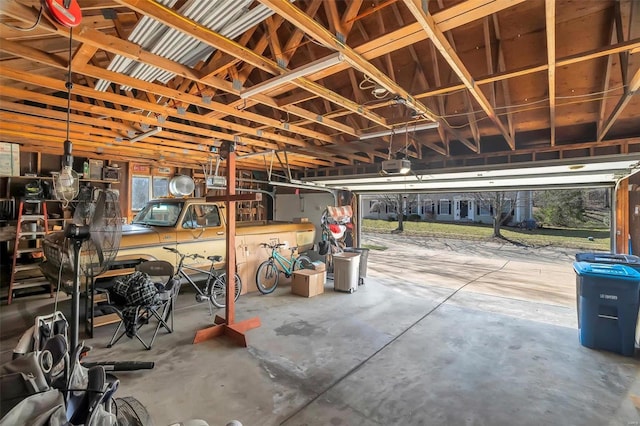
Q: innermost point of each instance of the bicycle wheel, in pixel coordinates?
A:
(267, 277)
(302, 262)
(218, 291)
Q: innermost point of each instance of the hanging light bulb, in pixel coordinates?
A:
(66, 179)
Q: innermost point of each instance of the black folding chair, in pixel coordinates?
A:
(149, 293)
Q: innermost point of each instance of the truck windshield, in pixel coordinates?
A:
(159, 213)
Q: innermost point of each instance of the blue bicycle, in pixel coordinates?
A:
(269, 270)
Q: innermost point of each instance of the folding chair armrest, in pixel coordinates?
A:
(103, 293)
(110, 309)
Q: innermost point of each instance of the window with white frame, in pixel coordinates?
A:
(444, 207)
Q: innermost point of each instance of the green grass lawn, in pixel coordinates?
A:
(584, 239)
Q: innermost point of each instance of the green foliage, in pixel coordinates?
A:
(560, 207)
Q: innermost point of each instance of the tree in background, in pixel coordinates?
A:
(500, 204)
(560, 207)
(400, 204)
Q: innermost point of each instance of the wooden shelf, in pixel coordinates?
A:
(51, 178)
(99, 181)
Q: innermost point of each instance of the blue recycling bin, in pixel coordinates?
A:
(608, 302)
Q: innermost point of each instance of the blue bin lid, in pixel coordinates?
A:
(624, 259)
(606, 270)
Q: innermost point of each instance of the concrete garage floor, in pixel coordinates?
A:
(443, 333)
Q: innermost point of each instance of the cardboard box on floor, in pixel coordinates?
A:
(318, 266)
(308, 283)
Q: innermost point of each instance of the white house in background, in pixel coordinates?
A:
(450, 207)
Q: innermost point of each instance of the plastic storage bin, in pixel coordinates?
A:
(364, 256)
(608, 301)
(346, 271)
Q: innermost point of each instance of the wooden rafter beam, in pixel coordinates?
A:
(630, 46)
(159, 110)
(212, 38)
(506, 92)
(157, 89)
(274, 41)
(448, 19)
(446, 50)
(222, 61)
(292, 45)
(550, 15)
(471, 118)
(105, 115)
(32, 128)
(606, 77)
(622, 17)
(51, 145)
(296, 16)
(503, 75)
(335, 24)
(173, 20)
(440, 100)
(290, 48)
(626, 19)
(630, 90)
(444, 138)
(347, 20)
(486, 29)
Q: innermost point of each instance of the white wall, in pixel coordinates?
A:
(309, 205)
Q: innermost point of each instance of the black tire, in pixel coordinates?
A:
(218, 291)
(267, 277)
(302, 262)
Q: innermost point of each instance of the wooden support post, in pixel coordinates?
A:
(227, 326)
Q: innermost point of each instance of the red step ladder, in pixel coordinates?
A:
(30, 230)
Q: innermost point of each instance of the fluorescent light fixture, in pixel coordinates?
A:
(395, 131)
(310, 68)
(146, 134)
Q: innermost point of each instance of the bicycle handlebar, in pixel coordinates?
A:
(192, 256)
(277, 245)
